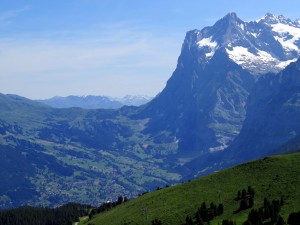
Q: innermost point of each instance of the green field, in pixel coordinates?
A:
(271, 177)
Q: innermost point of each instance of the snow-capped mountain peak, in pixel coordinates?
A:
(273, 19)
(288, 34)
(225, 32)
(262, 46)
(134, 100)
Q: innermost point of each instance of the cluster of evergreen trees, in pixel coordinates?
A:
(269, 211)
(26, 215)
(246, 198)
(205, 214)
(267, 214)
(107, 206)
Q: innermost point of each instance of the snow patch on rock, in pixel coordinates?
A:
(210, 45)
(287, 35)
(257, 63)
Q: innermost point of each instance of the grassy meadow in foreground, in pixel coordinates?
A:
(271, 177)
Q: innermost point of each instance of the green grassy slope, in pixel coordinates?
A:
(270, 177)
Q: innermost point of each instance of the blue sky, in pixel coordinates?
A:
(105, 47)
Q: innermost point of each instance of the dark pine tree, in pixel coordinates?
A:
(281, 201)
(212, 211)
(199, 220)
(120, 200)
(251, 202)
(255, 218)
(220, 209)
(244, 193)
(204, 212)
(244, 204)
(294, 218)
(188, 221)
(266, 203)
(251, 191)
(280, 221)
(156, 222)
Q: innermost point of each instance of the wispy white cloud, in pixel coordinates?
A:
(7, 17)
(40, 55)
(92, 61)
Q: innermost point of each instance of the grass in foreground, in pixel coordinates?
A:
(271, 177)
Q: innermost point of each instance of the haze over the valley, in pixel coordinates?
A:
(111, 48)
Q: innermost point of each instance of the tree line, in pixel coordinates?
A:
(107, 206)
(267, 214)
(205, 214)
(28, 215)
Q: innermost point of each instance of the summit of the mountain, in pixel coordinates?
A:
(269, 18)
(262, 46)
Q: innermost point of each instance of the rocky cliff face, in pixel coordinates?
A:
(202, 107)
(272, 115)
(203, 103)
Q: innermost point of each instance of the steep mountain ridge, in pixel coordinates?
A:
(203, 109)
(203, 103)
(273, 109)
(270, 126)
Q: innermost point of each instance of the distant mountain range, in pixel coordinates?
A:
(229, 100)
(96, 102)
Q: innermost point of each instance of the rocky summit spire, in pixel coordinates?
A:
(232, 16)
